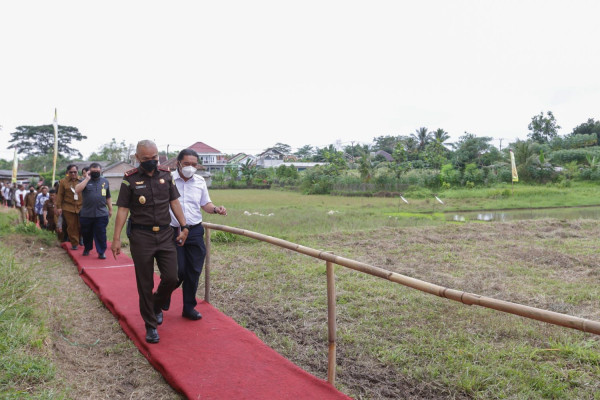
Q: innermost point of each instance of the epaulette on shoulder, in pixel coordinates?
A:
(163, 168)
(131, 172)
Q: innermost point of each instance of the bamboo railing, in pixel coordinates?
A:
(550, 317)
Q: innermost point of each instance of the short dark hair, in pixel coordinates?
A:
(71, 166)
(85, 169)
(95, 165)
(52, 191)
(187, 152)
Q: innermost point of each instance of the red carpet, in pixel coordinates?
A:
(213, 358)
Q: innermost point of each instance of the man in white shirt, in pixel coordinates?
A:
(190, 257)
(20, 194)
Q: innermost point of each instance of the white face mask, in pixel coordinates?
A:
(188, 172)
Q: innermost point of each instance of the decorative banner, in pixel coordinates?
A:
(515, 175)
(403, 199)
(15, 167)
(55, 146)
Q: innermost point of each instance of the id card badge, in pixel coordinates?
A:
(75, 196)
(103, 192)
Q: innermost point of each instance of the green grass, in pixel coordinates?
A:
(25, 371)
(389, 331)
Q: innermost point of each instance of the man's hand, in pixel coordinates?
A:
(221, 210)
(116, 247)
(182, 237)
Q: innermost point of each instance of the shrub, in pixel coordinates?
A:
(449, 176)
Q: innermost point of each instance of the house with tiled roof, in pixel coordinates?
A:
(212, 159)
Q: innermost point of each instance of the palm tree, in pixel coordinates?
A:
(422, 137)
(248, 170)
(440, 136)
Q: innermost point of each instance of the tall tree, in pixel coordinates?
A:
(385, 143)
(542, 128)
(472, 149)
(305, 152)
(441, 136)
(587, 128)
(112, 152)
(282, 147)
(39, 140)
(422, 136)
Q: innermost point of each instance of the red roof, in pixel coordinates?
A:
(203, 148)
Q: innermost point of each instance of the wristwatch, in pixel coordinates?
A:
(185, 227)
(215, 210)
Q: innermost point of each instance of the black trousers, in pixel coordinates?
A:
(93, 230)
(147, 246)
(190, 261)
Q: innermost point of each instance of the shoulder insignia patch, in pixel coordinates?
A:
(163, 168)
(131, 172)
(126, 182)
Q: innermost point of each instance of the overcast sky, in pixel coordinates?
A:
(244, 75)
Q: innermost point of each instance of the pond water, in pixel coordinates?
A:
(512, 215)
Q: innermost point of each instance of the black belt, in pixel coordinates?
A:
(153, 228)
(190, 226)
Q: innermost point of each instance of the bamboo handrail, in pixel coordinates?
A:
(467, 298)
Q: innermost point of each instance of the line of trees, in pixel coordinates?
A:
(423, 157)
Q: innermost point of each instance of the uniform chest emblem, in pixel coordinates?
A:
(139, 183)
(162, 180)
(142, 200)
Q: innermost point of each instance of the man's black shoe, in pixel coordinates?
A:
(74, 247)
(86, 252)
(165, 307)
(152, 335)
(101, 256)
(193, 315)
(159, 317)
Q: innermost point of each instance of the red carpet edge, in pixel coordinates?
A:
(214, 358)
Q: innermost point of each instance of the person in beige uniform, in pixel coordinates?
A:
(68, 204)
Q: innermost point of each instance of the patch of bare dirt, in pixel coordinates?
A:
(92, 355)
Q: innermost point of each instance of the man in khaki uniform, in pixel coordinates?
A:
(30, 204)
(148, 192)
(68, 204)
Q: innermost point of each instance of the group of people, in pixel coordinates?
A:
(163, 214)
(164, 224)
(30, 202)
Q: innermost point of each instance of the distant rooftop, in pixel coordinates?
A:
(203, 148)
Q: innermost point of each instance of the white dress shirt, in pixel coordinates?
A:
(193, 195)
(18, 194)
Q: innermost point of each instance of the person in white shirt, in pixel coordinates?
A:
(39, 205)
(190, 257)
(20, 194)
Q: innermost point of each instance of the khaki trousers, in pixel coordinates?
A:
(72, 220)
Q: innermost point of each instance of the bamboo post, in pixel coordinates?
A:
(331, 322)
(207, 265)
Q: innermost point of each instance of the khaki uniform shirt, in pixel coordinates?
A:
(65, 198)
(30, 200)
(148, 197)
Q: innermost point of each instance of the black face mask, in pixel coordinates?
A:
(95, 174)
(149, 165)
